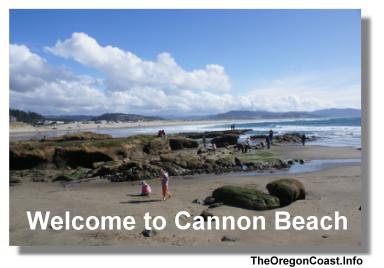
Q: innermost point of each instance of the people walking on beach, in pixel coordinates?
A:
(271, 135)
(145, 189)
(268, 141)
(303, 138)
(164, 177)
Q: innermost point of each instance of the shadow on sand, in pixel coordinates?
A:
(140, 201)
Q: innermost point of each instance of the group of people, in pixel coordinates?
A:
(205, 145)
(245, 146)
(161, 133)
(146, 189)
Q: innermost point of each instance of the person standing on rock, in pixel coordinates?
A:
(271, 135)
(268, 141)
(204, 142)
(164, 177)
(303, 138)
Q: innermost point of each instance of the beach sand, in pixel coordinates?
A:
(330, 190)
(22, 128)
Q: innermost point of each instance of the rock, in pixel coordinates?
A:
(225, 162)
(80, 156)
(248, 197)
(287, 190)
(238, 162)
(179, 143)
(216, 204)
(156, 146)
(360, 208)
(198, 201)
(201, 151)
(205, 214)
(227, 238)
(184, 160)
(301, 161)
(225, 140)
(291, 138)
(62, 177)
(214, 134)
(26, 158)
(80, 136)
(13, 181)
(209, 200)
(148, 233)
(290, 162)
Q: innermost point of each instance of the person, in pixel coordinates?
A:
(271, 135)
(145, 189)
(214, 147)
(268, 142)
(303, 138)
(204, 142)
(164, 177)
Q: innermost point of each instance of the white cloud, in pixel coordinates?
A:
(159, 87)
(125, 70)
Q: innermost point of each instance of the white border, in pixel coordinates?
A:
(370, 8)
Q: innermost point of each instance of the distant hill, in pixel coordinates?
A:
(67, 118)
(259, 115)
(125, 117)
(348, 112)
(26, 117)
(278, 115)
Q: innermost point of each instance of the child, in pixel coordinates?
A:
(164, 184)
(145, 189)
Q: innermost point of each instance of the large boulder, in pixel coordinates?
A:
(248, 197)
(178, 143)
(287, 190)
(225, 140)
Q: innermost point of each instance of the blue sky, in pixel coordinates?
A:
(263, 59)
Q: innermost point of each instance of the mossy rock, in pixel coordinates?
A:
(287, 190)
(81, 136)
(248, 197)
(156, 146)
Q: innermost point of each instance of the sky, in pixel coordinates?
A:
(183, 62)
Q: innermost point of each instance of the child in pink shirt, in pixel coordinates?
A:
(145, 189)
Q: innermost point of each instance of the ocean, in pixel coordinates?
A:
(330, 131)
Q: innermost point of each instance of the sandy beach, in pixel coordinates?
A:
(21, 128)
(333, 189)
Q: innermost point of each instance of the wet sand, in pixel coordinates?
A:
(335, 189)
